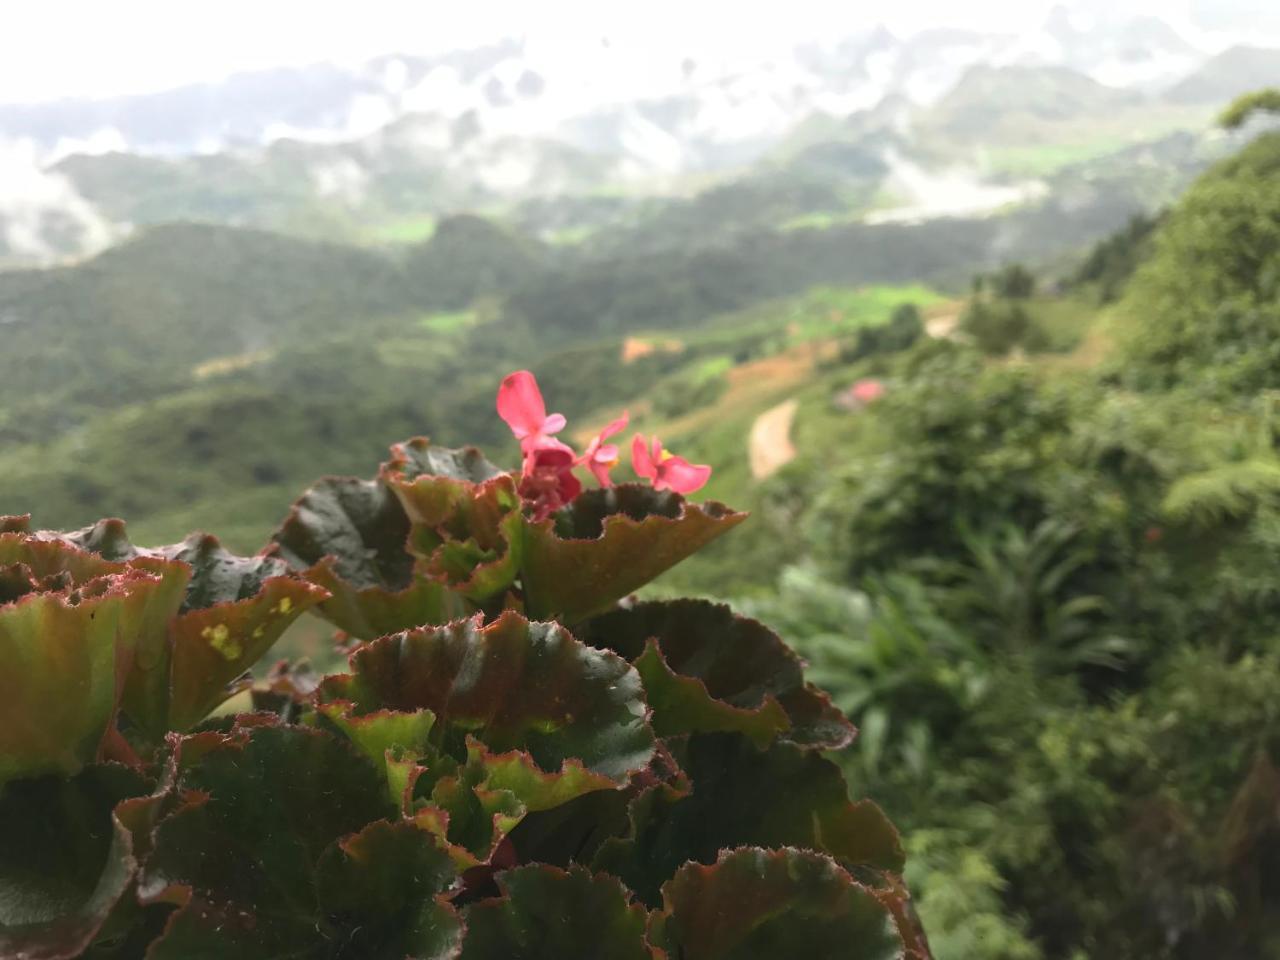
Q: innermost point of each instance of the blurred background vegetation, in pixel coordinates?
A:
(1041, 571)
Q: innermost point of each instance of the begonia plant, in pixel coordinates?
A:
(520, 760)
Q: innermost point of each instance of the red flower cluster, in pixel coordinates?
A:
(547, 480)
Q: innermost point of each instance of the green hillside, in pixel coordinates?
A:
(1037, 568)
(1231, 73)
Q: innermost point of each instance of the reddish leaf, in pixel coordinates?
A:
(610, 542)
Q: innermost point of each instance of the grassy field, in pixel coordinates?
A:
(403, 231)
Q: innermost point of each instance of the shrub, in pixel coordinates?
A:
(904, 328)
(518, 762)
(997, 327)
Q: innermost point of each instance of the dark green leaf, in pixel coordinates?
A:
(553, 914)
(249, 858)
(420, 458)
(512, 684)
(66, 860)
(755, 904)
(385, 885)
(781, 796)
(507, 718)
(348, 536)
(707, 670)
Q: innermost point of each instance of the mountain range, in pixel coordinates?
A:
(870, 125)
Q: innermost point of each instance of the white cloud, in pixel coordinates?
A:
(89, 48)
(42, 216)
(343, 180)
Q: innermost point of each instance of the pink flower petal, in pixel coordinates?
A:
(520, 404)
(642, 461)
(600, 470)
(681, 476)
(608, 453)
(554, 423)
(617, 426)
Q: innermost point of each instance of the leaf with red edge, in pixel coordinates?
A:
(387, 886)
(66, 657)
(348, 536)
(66, 860)
(610, 542)
(419, 457)
(19, 523)
(53, 564)
(574, 832)
(465, 515)
(214, 647)
(781, 796)
(467, 536)
(278, 850)
(755, 904)
(546, 913)
(232, 611)
(386, 738)
(707, 670)
(525, 717)
(513, 685)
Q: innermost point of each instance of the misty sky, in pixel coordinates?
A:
(54, 48)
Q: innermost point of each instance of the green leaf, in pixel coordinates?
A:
(465, 515)
(348, 536)
(513, 685)
(573, 832)
(554, 914)
(213, 647)
(66, 656)
(755, 904)
(385, 885)
(384, 737)
(255, 857)
(66, 860)
(418, 457)
(706, 670)
(233, 610)
(519, 717)
(781, 796)
(468, 537)
(610, 542)
(52, 564)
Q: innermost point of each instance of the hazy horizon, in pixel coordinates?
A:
(143, 46)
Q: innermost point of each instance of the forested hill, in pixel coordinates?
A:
(134, 321)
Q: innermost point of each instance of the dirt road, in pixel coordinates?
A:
(770, 445)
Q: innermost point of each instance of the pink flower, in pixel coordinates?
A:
(601, 457)
(666, 472)
(867, 391)
(520, 404)
(547, 482)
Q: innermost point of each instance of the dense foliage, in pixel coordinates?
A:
(518, 762)
(1036, 571)
(1207, 297)
(1049, 601)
